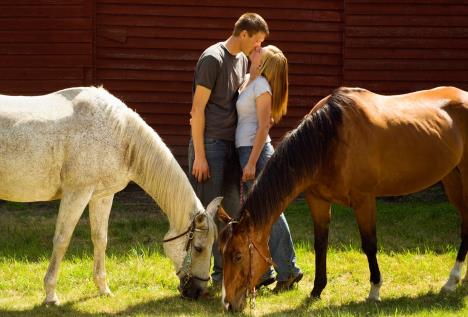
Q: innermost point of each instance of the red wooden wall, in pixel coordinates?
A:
(144, 51)
(395, 46)
(45, 45)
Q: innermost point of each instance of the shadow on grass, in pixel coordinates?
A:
(442, 303)
(167, 306)
(174, 305)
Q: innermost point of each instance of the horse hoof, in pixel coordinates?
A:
(107, 292)
(373, 299)
(448, 288)
(53, 302)
(314, 298)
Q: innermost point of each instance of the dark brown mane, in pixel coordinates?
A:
(317, 132)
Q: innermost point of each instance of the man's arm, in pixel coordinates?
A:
(200, 169)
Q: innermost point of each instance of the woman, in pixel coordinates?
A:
(262, 100)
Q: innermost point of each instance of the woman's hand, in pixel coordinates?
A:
(249, 172)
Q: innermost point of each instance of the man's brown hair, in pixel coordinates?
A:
(252, 23)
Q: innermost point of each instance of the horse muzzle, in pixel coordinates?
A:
(235, 306)
(191, 288)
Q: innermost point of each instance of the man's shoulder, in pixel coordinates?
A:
(219, 52)
(215, 51)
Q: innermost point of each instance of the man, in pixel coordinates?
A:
(213, 165)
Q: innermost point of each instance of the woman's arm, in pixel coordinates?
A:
(263, 108)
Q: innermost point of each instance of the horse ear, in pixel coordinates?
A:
(213, 207)
(223, 215)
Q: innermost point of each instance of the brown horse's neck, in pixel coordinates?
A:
(261, 232)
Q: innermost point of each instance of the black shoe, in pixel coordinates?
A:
(282, 286)
(266, 282)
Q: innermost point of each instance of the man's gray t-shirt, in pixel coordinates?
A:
(222, 73)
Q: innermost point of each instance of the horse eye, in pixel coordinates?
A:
(198, 249)
(237, 257)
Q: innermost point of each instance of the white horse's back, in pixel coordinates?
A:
(55, 140)
(42, 108)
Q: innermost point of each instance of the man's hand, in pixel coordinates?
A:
(201, 169)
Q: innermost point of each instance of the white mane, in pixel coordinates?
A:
(151, 164)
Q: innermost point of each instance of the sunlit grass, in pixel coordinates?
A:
(418, 241)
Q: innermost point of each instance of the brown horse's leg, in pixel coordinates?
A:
(320, 211)
(365, 212)
(456, 189)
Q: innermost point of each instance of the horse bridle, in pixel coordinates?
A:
(186, 267)
(251, 291)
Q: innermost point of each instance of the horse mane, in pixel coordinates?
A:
(148, 157)
(299, 155)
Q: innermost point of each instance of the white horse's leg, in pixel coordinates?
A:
(70, 211)
(454, 277)
(99, 211)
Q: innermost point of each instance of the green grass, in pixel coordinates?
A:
(418, 239)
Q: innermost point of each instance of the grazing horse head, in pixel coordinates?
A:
(190, 251)
(82, 145)
(244, 260)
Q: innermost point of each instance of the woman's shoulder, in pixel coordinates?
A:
(262, 83)
(260, 80)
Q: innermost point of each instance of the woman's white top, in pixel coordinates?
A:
(247, 122)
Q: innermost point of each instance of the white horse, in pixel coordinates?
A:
(82, 145)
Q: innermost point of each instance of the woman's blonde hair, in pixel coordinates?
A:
(274, 67)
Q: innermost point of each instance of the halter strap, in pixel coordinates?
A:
(177, 237)
(267, 260)
(187, 263)
(253, 291)
(190, 230)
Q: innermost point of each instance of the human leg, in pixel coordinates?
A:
(217, 154)
(231, 203)
(281, 244)
(282, 250)
(243, 153)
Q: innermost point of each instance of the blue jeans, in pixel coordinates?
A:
(280, 243)
(224, 181)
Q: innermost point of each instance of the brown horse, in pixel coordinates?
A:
(353, 146)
